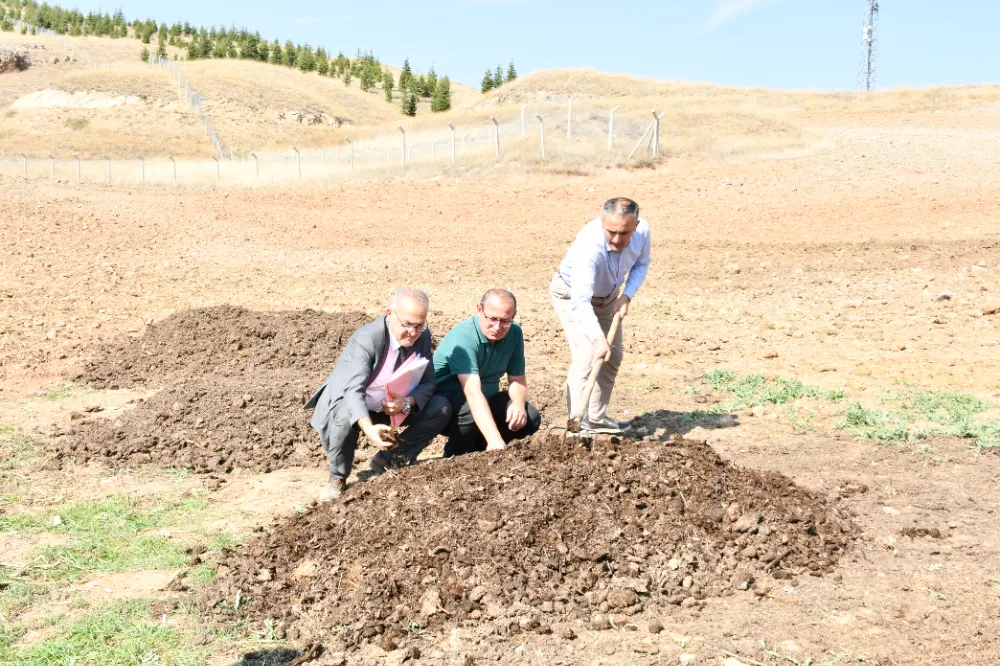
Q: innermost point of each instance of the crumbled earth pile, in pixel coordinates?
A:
(235, 383)
(214, 425)
(223, 341)
(547, 531)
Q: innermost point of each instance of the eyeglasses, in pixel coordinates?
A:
(406, 326)
(497, 321)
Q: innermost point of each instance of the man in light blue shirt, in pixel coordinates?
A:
(610, 252)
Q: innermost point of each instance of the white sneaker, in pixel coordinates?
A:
(606, 427)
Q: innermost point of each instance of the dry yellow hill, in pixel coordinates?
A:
(123, 109)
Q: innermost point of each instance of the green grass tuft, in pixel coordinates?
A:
(107, 536)
(121, 634)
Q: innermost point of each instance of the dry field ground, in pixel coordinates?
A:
(831, 315)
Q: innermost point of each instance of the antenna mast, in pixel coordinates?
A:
(869, 46)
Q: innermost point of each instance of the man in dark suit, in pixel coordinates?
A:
(353, 398)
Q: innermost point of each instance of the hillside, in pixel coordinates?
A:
(124, 109)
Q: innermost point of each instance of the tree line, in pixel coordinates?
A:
(201, 43)
(495, 78)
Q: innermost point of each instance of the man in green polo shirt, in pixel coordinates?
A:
(468, 365)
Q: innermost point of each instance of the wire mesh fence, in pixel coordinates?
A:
(562, 134)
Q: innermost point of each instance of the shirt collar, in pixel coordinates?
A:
(393, 342)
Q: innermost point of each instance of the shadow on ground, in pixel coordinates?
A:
(663, 422)
(275, 657)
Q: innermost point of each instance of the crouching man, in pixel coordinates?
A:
(469, 363)
(353, 398)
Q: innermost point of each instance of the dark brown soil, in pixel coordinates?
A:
(215, 424)
(235, 383)
(543, 532)
(223, 341)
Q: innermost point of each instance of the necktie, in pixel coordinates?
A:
(399, 359)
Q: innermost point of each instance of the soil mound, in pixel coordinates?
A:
(225, 341)
(213, 425)
(545, 531)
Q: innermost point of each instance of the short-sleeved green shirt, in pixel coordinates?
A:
(466, 351)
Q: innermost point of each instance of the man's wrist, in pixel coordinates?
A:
(407, 405)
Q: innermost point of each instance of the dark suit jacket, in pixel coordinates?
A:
(358, 366)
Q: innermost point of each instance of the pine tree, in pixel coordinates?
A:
(387, 85)
(498, 77)
(410, 103)
(290, 56)
(263, 49)
(405, 75)
(367, 78)
(194, 49)
(161, 49)
(275, 56)
(323, 66)
(347, 75)
(487, 84)
(511, 72)
(432, 81)
(306, 61)
(441, 101)
(144, 54)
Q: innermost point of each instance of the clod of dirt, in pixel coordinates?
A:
(223, 341)
(390, 436)
(542, 532)
(213, 425)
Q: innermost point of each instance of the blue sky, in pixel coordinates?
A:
(803, 44)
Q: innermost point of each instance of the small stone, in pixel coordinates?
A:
(477, 593)
(413, 652)
(430, 602)
(57, 521)
(687, 658)
(563, 630)
(733, 661)
(687, 582)
(733, 268)
(622, 598)
(265, 576)
(654, 626)
(743, 581)
(599, 622)
(945, 296)
(689, 602)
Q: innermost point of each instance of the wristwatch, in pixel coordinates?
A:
(406, 406)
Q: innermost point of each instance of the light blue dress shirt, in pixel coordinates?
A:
(592, 269)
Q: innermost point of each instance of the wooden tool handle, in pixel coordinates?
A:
(592, 379)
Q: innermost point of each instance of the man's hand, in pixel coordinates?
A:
(621, 305)
(601, 351)
(394, 405)
(517, 417)
(374, 433)
(498, 445)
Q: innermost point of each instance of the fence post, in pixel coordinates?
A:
(350, 151)
(656, 132)
(338, 155)
(641, 138)
(298, 161)
(403, 132)
(24, 161)
(569, 118)
(256, 164)
(496, 127)
(109, 168)
(174, 163)
(611, 129)
(142, 163)
(216, 170)
(77, 168)
(453, 145)
(541, 130)
(522, 118)
(232, 158)
(52, 173)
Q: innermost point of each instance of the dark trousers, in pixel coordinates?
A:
(464, 435)
(419, 429)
